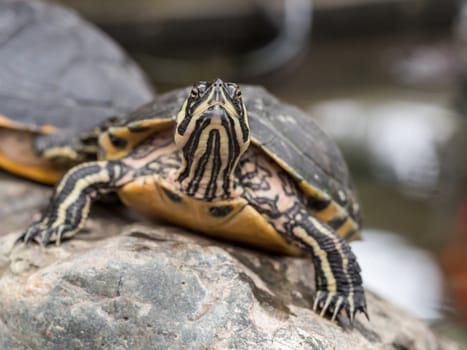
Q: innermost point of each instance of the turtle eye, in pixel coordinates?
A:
(238, 95)
(194, 93)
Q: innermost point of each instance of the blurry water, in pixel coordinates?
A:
(402, 273)
(402, 139)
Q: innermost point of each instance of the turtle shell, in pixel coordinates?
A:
(58, 73)
(285, 133)
(56, 69)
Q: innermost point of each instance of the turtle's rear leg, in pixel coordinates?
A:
(64, 148)
(61, 148)
(69, 206)
(69, 147)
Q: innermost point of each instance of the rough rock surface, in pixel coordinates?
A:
(128, 285)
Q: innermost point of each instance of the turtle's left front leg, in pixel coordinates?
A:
(337, 272)
(276, 195)
(69, 206)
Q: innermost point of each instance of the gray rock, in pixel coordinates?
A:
(127, 285)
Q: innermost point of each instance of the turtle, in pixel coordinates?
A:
(232, 162)
(58, 73)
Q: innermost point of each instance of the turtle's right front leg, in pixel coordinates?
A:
(69, 206)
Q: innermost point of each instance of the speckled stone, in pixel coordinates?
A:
(147, 286)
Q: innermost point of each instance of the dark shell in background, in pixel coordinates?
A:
(57, 69)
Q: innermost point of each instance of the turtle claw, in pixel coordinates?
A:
(333, 304)
(337, 308)
(30, 234)
(363, 310)
(43, 235)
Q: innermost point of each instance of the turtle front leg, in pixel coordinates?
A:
(274, 194)
(337, 272)
(69, 206)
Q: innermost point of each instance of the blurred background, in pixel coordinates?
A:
(386, 78)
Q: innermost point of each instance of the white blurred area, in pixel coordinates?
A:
(403, 274)
(402, 140)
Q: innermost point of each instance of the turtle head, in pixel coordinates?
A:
(212, 133)
(212, 105)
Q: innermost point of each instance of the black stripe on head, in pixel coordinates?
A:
(191, 145)
(213, 141)
(234, 95)
(216, 164)
(234, 150)
(245, 128)
(236, 99)
(199, 93)
(184, 123)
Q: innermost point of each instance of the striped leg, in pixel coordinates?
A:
(69, 206)
(68, 148)
(273, 193)
(337, 273)
(62, 149)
